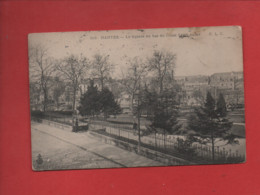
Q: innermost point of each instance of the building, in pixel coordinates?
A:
(195, 88)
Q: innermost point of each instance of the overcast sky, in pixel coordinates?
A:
(199, 51)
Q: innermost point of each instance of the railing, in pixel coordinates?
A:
(170, 145)
(51, 123)
(167, 144)
(131, 145)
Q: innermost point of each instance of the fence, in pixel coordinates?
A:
(167, 144)
(52, 123)
(170, 144)
(55, 118)
(132, 146)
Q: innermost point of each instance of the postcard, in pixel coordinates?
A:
(137, 98)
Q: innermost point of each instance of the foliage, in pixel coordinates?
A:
(66, 113)
(116, 88)
(164, 111)
(208, 124)
(221, 106)
(166, 120)
(94, 102)
(197, 94)
(108, 105)
(149, 99)
(184, 146)
(89, 101)
(37, 114)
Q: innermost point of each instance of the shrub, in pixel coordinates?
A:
(185, 147)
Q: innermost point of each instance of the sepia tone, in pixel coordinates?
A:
(135, 98)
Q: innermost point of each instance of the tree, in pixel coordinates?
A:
(35, 92)
(73, 69)
(221, 106)
(116, 88)
(197, 94)
(162, 64)
(108, 105)
(58, 90)
(209, 125)
(101, 68)
(235, 98)
(164, 116)
(149, 101)
(94, 102)
(41, 70)
(89, 101)
(132, 79)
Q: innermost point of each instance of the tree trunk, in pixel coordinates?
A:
(164, 139)
(155, 140)
(105, 115)
(45, 101)
(132, 102)
(138, 125)
(74, 100)
(44, 104)
(73, 106)
(102, 83)
(161, 86)
(57, 102)
(213, 146)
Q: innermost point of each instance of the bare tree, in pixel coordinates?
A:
(101, 68)
(116, 88)
(41, 70)
(58, 90)
(35, 92)
(162, 63)
(73, 69)
(132, 78)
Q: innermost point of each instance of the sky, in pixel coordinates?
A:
(199, 51)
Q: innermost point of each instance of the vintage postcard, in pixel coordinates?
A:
(137, 98)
